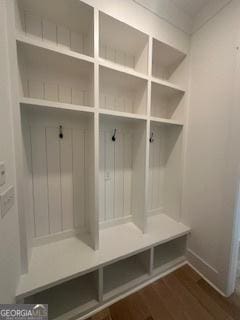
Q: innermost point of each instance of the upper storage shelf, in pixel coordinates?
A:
(165, 60)
(62, 23)
(122, 44)
(122, 92)
(167, 102)
(47, 75)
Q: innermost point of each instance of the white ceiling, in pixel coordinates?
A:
(190, 7)
(186, 15)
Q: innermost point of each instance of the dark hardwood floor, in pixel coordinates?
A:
(182, 295)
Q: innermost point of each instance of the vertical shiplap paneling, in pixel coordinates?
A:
(127, 174)
(58, 179)
(156, 170)
(118, 176)
(54, 181)
(109, 175)
(156, 167)
(66, 164)
(78, 138)
(102, 155)
(115, 175)
(40, 185)
(150, 182)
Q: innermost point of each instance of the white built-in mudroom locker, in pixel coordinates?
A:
(101, 107)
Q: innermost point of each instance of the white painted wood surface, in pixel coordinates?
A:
(72, 257)
(83, 77)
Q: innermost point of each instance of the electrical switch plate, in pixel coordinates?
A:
(2, 174)
(6, 200)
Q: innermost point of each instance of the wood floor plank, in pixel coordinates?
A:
(227, 304)
(207, 302)
(172, 304)
(181, 295)
(190, 304)
(130, 308)
(102, 315)
(191, 273)
(154, 304)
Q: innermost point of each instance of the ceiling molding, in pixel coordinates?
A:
(208, 12)
(166, 10)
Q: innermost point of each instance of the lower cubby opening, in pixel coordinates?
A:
(169, 254)
(69, 299)
(125, 274)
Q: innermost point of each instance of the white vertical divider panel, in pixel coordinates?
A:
(95, 219)
(95, 227)
(139, 175)
(100, 284)
(25, 232)
(149, 87)
(151, 260)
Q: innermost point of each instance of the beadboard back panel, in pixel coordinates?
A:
(115, 174)
(156, 171)
(60, 173)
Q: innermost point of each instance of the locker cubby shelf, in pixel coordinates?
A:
(122, 92)
(122, 170)
(62, 24)
(48, 75)
(129, 48)
(69, 299)
(167, 102)
(169, 254)
(59, 175)
(165, 60)
(133, 270)
(22, 38)
(70, 258)
(46, 104)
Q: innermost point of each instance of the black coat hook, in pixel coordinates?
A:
(60, 132)
(151, 140)
(114, 135)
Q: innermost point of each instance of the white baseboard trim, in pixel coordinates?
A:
(207, 280)
(203, 266)
(204, 269)
(129, 292)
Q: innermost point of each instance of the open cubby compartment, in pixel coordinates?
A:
(122, 92)
(167, 102)
(166, 61)
(122, 44)
(169, 254)
(66, 24)
(125, 274)
(48, 75)
(69, 299)
(122, 171)
(165, 170)
(58, 174)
